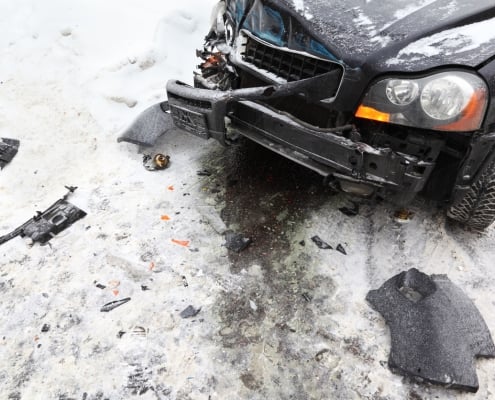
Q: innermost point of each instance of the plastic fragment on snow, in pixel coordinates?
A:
(203, 172)
(350, 211)
(436, 330)
(171, 188)
(236, 241)
(8, 150)
(114, 304)
(320, 243)
(165, 218)
(183, 243)
(341, 249)
(190, 312)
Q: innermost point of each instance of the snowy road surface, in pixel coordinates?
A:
(281, 320)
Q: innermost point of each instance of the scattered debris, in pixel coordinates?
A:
(156, 162)
(183, 243)
(144, 288)
(350, 211)
(171, 188)
(341, 249)
(165, 218)
(45, 225)
(190, 312)
(100, 286)
(236, 241)
(120, 334)
(139, 331)
(436, 330)
(306, 297)
(203, 172)
(302, 243)
(184, 281)
(320, 354)
(8, 150)
(45, 328)
(114, 304)
(320, 243)
(253, 305)
(403, 215)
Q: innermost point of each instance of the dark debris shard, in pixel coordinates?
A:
(114, 304)
(320, 243)
(436, 330)
(236, 241)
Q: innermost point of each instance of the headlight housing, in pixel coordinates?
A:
(446, 101)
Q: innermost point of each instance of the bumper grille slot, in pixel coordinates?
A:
(191, 102)
(284, 64)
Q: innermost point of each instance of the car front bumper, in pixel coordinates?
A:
(219, 114)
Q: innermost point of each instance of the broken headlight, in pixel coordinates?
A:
(447, 101)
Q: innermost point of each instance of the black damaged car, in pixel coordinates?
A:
(392, 98)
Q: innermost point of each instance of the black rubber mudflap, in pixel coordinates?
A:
(148, 126)
(436, 330)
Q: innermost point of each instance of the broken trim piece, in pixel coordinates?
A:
(45, 225)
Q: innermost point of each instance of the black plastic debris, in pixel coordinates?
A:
(236, 241)
(100, 286)
(203, 172)
(350, 211)
(156, 162)
(320, 243)
(190, 312)
(114, 304)
(144, 288)
(184, 281)
(45, 225)
(341, 249)
(8, 150)
(436, 330)
(45, 328)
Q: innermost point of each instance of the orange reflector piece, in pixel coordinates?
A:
(371, 113)
(165, 218)
(184, 243)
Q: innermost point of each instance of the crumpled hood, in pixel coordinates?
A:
(409, 35)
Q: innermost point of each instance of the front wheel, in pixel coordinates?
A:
(477, 208)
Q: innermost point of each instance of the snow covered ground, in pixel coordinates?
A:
(287, 322)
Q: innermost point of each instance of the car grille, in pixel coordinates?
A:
(284, 64)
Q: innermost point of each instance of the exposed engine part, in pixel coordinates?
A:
(215, 71)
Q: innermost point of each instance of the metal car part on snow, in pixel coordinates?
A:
(436, 330)
(391, 101)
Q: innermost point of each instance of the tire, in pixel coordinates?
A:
(477, 208)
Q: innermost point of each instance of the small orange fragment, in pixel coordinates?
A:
(115, 292)
(165, 218)
(184, 243)
(152, 266)
(171, 187)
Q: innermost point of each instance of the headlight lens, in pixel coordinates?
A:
(401, 92)
(447, 101)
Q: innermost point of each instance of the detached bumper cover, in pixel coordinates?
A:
(202, 112)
